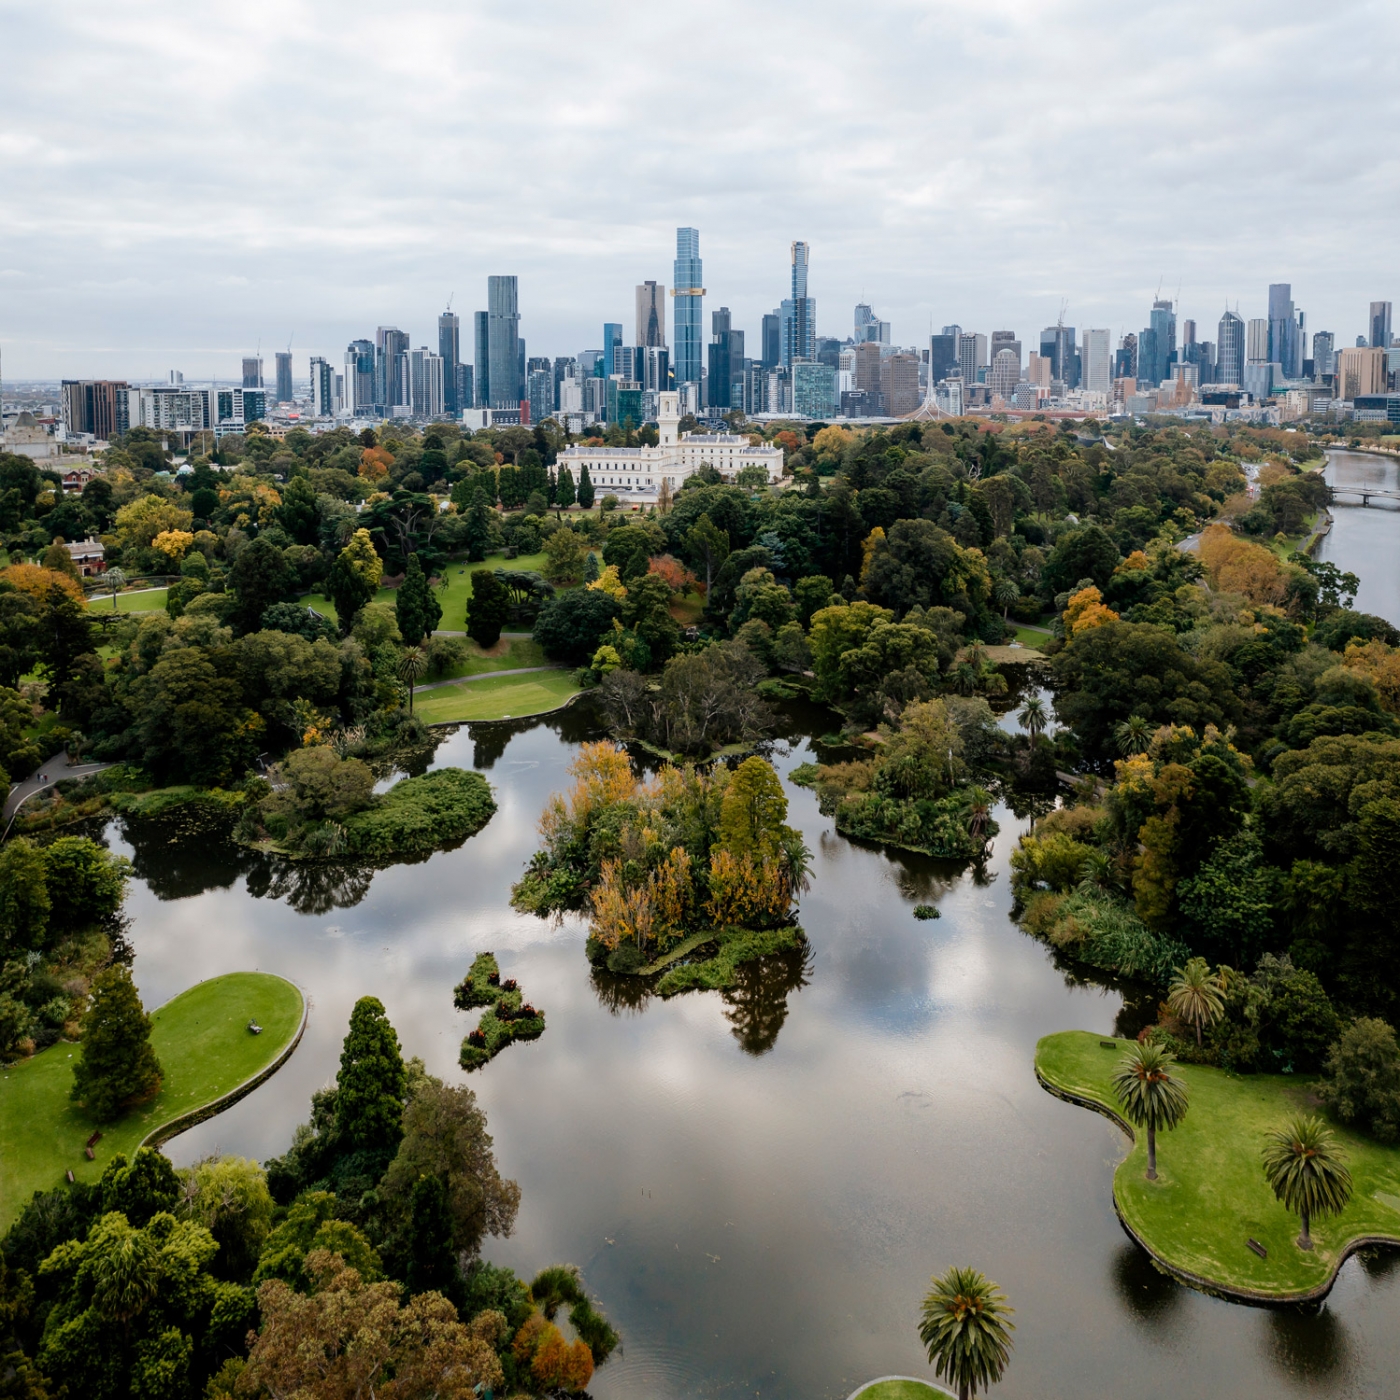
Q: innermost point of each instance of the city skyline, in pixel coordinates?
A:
(134, 241)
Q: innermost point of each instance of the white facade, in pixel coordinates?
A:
(635, 474)
(1097, 358)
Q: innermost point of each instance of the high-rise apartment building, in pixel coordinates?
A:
(252, 372)
(1285, 337)
(427, 383)
(651, 314)
(688, 292)
(94, 406)
(726, 362)
(450, 348)
(972, 356)
(814, 390)
(1096, 361)
(481, 352)
(323, 396)
(799, 312)
(772, 340)
(1380, 325)
(1230, 350)
(504, 350)
(358, 400)
(1324, 354)
(283, 371)
(392, 389)
(1361, 371)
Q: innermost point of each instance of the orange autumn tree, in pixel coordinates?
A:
(673, 573)
(1085, 611)
(36, 581)
(1234, 565)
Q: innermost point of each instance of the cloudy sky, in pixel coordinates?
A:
(182, 181)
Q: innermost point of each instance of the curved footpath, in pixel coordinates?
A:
(1197, 1221)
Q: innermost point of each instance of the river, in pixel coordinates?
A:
(757, 1186)
(1366, 538)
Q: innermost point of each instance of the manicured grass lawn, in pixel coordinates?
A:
(1032, 636)
(500, 697)
(687, 610)
(903, 1390)
(147, 600)
(509, 654)
(1210, 1196)
(202, 1040)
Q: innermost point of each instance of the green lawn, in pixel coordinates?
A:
(205, 1049)
(500, 697)
(901, 1388)
(147, 600)
(1210, 1197)
(1033, 636)
(509, 654)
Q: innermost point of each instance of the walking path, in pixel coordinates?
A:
(52, 771)
(485, 676)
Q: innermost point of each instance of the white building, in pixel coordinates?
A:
(635, 474)
(1097, 359)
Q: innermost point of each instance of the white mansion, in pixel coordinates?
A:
(635, 474)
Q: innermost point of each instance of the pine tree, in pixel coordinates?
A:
(371, 1086)
(116, 1064)
(564, 494)
(508, 483)
(487, 609)
(585, 488)
(418, 611)
(432, 1265)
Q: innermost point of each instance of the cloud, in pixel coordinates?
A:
(181, 177)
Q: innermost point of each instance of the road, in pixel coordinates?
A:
(45, 776)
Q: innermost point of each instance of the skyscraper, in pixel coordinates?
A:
(1096, 361)
(799, 312)
(1324, 354)
(481, 349)
(771, 347)
(612, 339)
(943, 353)
(1006, 340)
(651, 314)
(726, 356)
(426, 380)
(1284, 339)
(391, 384)
(252, 372)
(1157, 344)
(284, 376)
(323, 404)
(359, 378)
(1230, 348)
(972, 356)
(504, 351)
(1256, 341)
(688, 289)
(450, 349)
(1057, 346)
(1380, 325)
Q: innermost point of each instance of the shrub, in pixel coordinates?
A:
(1361, 1081)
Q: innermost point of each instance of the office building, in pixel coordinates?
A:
(504, 350)
(1096, 361)
(358, 400)
(899, 383)
(612, 338)
(426, 383)
(450, 349)
(651, 314)
(1323, 355)
(1261, 377)
(283, 375)
(1125, 358)
(167, 408)
(1004, 374)
(943, 354)
(654, 368)
(1256, 340)
(688, 292)
(252, 372)
(814, 390)
(1380, 325)
(481, 355)
(539, 389)
(867, 376)
(393, 395)
(972, 357)
(635, 474)
(1156, 347)
(324, 401)
(1361, 370)
(726, 363)
(236, 408)
(1005, 340)
(95, 407)
(1284, 330)
(1057, 344)
(1230, 350)
(869, 327)
(798, 312)
(771, 345)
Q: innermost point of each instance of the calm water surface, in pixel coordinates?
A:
(1366, 539)
(758, 1185)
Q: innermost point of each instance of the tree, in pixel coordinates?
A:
(571, 627)
(297, 514)
(630, 548)
(432, 1262)
(140, 1189)
(565, 550)
(417, 610)
(65, 633)
(754, 810)
(585, 488)
(1306, 1172)
(412, 667)
(349, 1339)
(487, 609)
(229, 1197)
(1361, 1080)
(25, 902)
(260, 577)
(963, 1324)
(1132, 735)
(444, 1136)
(1195, 995)
(1150, 1096)
(371, 1085)
(1033, 718)
(564, 493)
(19, 634)
(116, 1065)
(708, 547)
(354, 578)
(646, 611)
(1083, 553)
(322, 785)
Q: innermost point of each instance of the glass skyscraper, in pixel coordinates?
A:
(689, 291)
(504, 351)
(799, 312)
(450, 348)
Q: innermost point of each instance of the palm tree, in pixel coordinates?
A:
(1133, 734)
(1149, 1095)
(1005, 592)
(1306, 1171)
(1195, 995)
(1034, 718)
(116, 581)
(979, 808)
(411, 669)
(963, 1324)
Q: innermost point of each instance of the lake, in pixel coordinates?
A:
(758, 1185)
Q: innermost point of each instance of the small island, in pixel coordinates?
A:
(508, 1016)
(684, 878)
(1211, 1198)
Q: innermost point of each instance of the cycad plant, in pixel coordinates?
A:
(963, 1323)
(1149, 1094)
(1306, 1171)
(1195, 995)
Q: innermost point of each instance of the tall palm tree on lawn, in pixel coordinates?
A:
(1195, 995)
(1306, 1171)
(411, 670)
(1149, 1095)
(963, 1323)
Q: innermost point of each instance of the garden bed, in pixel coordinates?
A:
(1210, 1197)
(507, 1017)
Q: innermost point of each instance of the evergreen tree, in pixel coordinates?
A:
(592, 569)
(585, 488)
(487, 609)
(116, 1064)
(508, 484)
(564, 493)
(432, 1265)
(25, 902)
(371, 1086)
(354, 578)
(418, 611)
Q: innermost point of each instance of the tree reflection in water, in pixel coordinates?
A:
(311, 887)
(1309, 1344)
(177, 862)
(1148, 1294)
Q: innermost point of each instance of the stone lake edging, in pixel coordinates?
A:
(917, 1380)
(1253, 1296)
(510, 719)
(159, 1136)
